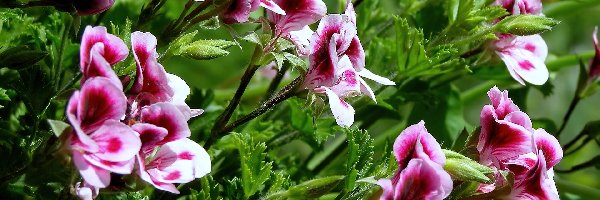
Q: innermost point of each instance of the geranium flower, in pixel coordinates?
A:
(521, 7)
(101, 143)
(524, 57)
(239, 10)
(420, 172)
(298, 14)
(336, 58)
(595, 62)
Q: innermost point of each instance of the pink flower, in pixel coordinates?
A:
(524, 57)
(521, 7)
(595, 62)
(101, 143)
(298, 14)
(420, 172)
(337, 61)
(86, 191)
(92, 7)
(507, 141)
(113, 49)
(239, 10)
(179, 161)
(301, 39)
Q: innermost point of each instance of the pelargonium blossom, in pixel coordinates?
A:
(337, 62)
(298, 14)
(521, 7)
(420, 172)
(239, 10)
(595, 62)
(508, 141)
(112, 131)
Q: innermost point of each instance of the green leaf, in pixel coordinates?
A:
(255, 170)
(20, 57)
(360, 156)
(3, 95)
(205, 49)
(58, 127)
(464, 169)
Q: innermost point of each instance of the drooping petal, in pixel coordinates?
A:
(116, 141)
(532, 43)
(272, 6)
(179, 161)
(406, 143)
(189, 150)
(98, 66)
(298, 14)
(115, 49)
(150, 135)
(379, 79)
(120, 167)
(423, 179)
(151, 76)
(93, 175)
(168, 116)
(301, 39)
(365, 89)
(549, 145)
(144, 175)
(99, 100)
(342, 111)
(524, 65)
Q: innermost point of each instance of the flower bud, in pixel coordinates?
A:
(525, 24)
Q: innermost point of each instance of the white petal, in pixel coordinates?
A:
(180, 89)
(526, 66)
(379, 79)
(342, 111)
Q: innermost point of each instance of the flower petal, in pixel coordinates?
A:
(168, 116)
(81, 139)
(379, 79)
(179, 161)
(549, 145)
(301, 39)
(268, 4)
(144, 175)
(406, 143)
(536, 184)
(239, 11)
(388, 189)
(532, 43)
(120, 167)
(150, 135)
(595, 62)
(100, 100)
(298, 14)
(502, 140)
(98, 66)
(523, 64)
(92, 175)
(423, 179)
(365, 89)
(151, 76)
(115, 49)
(342, 111)
(189, 150)
(502, 104)
(92, 7)
(116, 141)
(180, 89)
(357, 54)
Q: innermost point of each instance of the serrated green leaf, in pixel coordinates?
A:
(20, 57)
(255, 170)
(3, 95)
(252, 37)
(295, 60)
(360, 156)
(58, 127)
(279, 58)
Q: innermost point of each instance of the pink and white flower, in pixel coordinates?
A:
(298, 14)
(524, 57)
(595, 62)
(420, 172)
(239, 10)
(337, 63)
(521, 7)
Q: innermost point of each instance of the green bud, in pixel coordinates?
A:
(465, 169)
(315, 188)
(525, 24)
(206, 49)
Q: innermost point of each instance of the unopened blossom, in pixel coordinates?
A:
(595, 62)
(337, 62)
(508, 141)
(239, 10)
(92, 7)
(521, 7)
(420, 172)
(524, 57)
(298, 14)
(85, 191)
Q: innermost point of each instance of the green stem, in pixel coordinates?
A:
(567, 116)
(276, 81)
(567, 61)
(585, 192)
(568, 7)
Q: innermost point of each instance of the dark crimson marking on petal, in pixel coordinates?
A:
(526, 65)
(186, 155)
(173, 175)
(530, 47)
(114, 145)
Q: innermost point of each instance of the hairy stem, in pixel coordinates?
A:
(567, 116)
(276, 81)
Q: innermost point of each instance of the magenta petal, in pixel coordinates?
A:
(116, 141)
(346, 83)
(503, 140)
(356, 53)
(81, 139)
(406, 143)
(388, 189)
(549, 145)
(169, 117)
(298, 13)
(92, 7)
(595, 62)
(100, 100)
(150, 135)
(519, 118)
(151, 76)
(536, 184)
(502, 104)
(157, 184)
(115, 49)
(98, 66)
(423, 179)
(238, 11)
(95, 176)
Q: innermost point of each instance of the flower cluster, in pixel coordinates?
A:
(523, 55)
(337, 63)
(145, 130)
(508, 142)
(420, 172)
